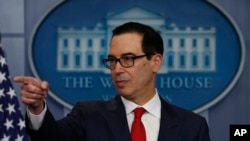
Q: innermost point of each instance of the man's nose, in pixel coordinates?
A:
(118, 67)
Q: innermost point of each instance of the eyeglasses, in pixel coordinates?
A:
(126, 61)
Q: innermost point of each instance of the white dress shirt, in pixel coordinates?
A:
(150, 119)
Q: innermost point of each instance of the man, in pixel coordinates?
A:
(134, 58)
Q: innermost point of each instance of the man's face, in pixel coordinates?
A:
(138, 80)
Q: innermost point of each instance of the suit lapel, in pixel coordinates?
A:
(117, 120)
(169, 124)
(115, 116)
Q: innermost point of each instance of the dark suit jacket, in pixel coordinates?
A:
(106, 121)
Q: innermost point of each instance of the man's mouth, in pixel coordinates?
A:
(121, 83)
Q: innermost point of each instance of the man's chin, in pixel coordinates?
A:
(123, 92)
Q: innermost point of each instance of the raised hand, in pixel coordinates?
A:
(33, 92)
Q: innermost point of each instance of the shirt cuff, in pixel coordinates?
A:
(36, 120)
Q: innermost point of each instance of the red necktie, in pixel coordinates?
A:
(138, 131)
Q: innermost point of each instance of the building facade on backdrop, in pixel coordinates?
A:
(186, 49)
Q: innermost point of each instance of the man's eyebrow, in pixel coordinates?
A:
(129, 53)
(124, 54)
(111, 56)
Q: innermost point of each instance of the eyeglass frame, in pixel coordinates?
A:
(122, 57)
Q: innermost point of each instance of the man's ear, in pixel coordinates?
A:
(156, 62)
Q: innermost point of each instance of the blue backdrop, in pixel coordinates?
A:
(19, 18)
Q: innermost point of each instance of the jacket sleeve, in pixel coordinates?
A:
(66, 129)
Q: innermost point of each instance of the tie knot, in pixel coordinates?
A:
(138, 112)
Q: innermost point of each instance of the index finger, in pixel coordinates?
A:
(27, 80)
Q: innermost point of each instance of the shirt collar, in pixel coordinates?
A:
(153, 106)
